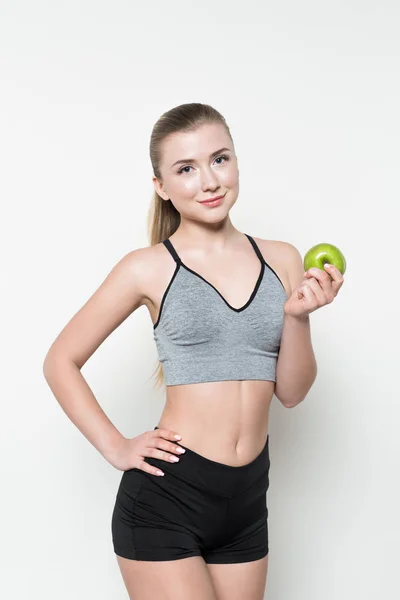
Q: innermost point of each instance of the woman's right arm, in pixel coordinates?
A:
(117, 297)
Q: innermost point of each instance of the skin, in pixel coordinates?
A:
(234, 414)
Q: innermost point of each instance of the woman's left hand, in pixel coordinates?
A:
(317, 289)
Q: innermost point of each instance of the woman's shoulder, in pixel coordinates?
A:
(146, 260)
(276, 246)
(148, 265)
(285, 259)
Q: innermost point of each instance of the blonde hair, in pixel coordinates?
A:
(163, 218)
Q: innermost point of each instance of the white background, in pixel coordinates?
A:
(311, 92)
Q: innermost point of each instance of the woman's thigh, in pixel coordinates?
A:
(239, 580)
(164, 580)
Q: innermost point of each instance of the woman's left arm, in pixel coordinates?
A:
(296, 368)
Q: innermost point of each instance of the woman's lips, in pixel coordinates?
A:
(215, 202)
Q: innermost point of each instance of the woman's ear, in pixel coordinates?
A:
(158, 186)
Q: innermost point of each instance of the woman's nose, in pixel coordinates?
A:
(208, 180)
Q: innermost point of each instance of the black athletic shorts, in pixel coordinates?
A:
(200, 507)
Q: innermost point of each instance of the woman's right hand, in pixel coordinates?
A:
(158, 443)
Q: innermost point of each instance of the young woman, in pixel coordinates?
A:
(231, 323)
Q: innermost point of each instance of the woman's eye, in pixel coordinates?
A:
(181, 170)
(224, 156)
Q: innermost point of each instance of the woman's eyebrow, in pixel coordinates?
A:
(187, 160)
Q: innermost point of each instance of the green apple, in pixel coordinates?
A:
(323, 253)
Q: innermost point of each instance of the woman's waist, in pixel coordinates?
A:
(225, 426)
(197, 470)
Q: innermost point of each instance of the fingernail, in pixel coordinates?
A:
(178, 437)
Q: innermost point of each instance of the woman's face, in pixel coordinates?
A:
(209, 169)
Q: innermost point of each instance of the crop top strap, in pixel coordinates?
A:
(256, 248)
(168, 244)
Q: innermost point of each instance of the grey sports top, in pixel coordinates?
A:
(200, 337)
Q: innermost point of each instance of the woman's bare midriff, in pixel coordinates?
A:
(225, 421)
